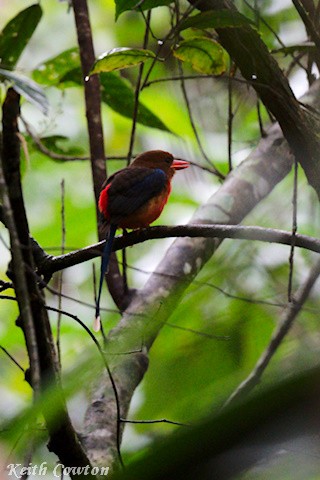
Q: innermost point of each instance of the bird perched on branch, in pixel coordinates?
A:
(134, 197)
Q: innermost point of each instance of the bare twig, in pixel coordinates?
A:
(289, 316)
(294, 229)
(262, 130)
(230, 114)
(124, 280)
(148, 422)
(137, 91)
(193, 126)
(310, 27)
(60, 278)
(46, 151)
(162, 43)
(196, 332)
(12, 358)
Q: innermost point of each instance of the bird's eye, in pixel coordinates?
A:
(168, 160)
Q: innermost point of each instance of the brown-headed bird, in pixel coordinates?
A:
(134, 197)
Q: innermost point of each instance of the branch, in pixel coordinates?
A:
(281, 331)
(49, 264)
(92, 95)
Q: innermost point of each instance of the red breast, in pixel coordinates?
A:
(138, 195)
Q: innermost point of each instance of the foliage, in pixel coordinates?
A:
(224, 321)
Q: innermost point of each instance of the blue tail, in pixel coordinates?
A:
(104, 263)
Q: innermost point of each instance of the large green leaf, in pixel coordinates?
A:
(125, 5)
(203, 54)
(26, 87)
(118, 94)
(64, 71)
(50, 72)
(216, 19)
(16, 35)
(119, 58)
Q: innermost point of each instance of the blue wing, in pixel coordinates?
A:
(132, 188)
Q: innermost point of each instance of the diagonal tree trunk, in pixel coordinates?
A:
(248, 184)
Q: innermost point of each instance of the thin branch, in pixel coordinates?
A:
(230, 115)
(255, 301)
(46, 151)
(196, 332)
(148, 422)
(262, 130)
(71, 158)
(294, 229)
(259, 18)
(281, 331)
(162, 43)
(12, 358)
(79, 302)
(311, 30)
(59, 156)
(193, 125)
(123, 299)
(215, 287)
(137, 91)
(60, 278)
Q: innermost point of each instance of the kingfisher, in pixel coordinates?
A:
(133, 198)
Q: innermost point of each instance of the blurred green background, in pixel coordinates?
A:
(190, 374)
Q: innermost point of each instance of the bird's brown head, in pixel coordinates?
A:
(159, 159)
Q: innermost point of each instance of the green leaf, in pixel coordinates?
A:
(29, 89)
(125, 5)
(203, 54)
(119, 58)
(59, 144)
(16, 35)
(118, 94)
(216, 19)
(50, 72)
